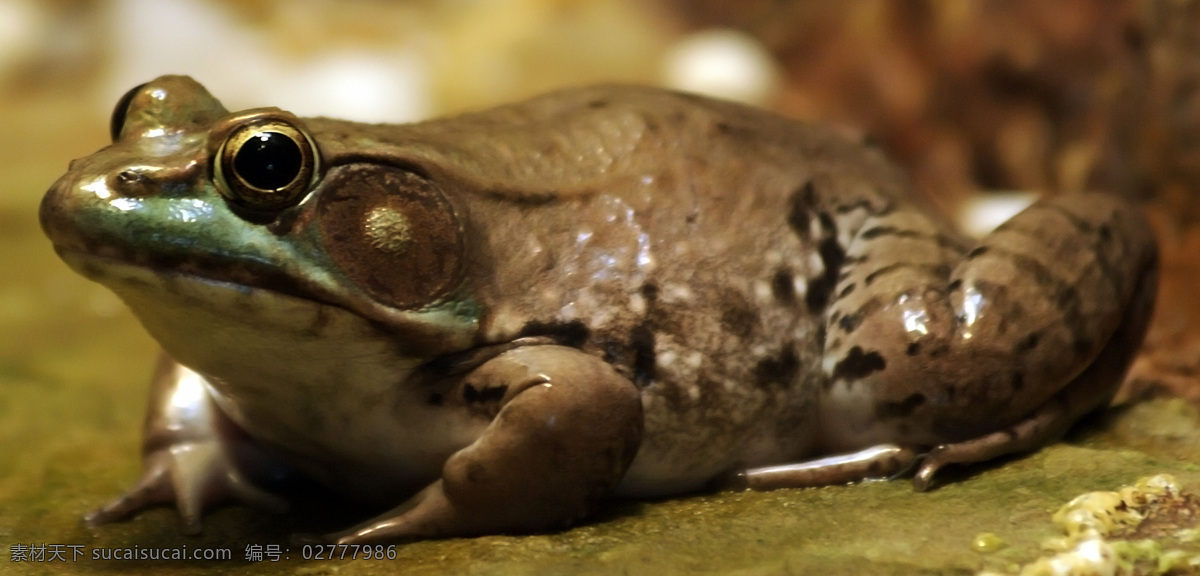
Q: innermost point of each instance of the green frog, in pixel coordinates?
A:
(496, 321)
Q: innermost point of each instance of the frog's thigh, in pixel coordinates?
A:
(987, 352)
(1090, 390)
(567, 429)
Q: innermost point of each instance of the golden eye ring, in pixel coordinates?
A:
(266, 165)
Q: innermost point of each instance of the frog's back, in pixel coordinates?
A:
(689, 242)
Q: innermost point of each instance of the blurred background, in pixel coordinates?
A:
(972, 97)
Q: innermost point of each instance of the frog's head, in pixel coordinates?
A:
(194, 208)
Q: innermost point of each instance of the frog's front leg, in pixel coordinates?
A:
(188, 454)
(566, 427)
(994, 350)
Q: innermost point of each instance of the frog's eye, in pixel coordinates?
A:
(265, 165)
(117, 122)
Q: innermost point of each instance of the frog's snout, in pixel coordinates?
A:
(52, 212)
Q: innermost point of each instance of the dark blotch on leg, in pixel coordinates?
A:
(738, 317)
(901, 409)
(641, 338)
(832, 255)
(1027, 343)
(845, 292)
(800, 204)
(858, 364)
(935, 270)
(877, 231)
(650, 292)
(613, 351)
(782, 287)
(800, 220)
(849, 322)
(977, 252)
(914, 348)
(780, 370)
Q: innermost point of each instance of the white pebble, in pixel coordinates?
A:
(722, 63)
(982, 213)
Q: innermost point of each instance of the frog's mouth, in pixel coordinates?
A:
(188, 312)
(259, 294)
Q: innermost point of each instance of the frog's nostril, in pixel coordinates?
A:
(130, 178)
(131, 182)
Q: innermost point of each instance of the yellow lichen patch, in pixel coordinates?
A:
(1140, 529)
(987, 542)
(1095, 513)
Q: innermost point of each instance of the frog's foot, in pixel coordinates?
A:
(1045, 426)
(565, 430)
(195, 475)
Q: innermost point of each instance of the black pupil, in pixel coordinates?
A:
(268, 161)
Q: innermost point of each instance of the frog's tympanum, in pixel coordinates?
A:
(492, 322)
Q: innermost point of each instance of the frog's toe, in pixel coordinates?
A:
(1045, 425)
(204, 475)
(428, 513)
(152, 489)
(195, 476)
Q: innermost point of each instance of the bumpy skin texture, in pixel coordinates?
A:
(676, 288)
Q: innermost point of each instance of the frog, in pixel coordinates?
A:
(498, 321)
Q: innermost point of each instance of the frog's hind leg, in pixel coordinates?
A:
(1090, 391)
(987, 351)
